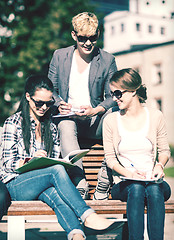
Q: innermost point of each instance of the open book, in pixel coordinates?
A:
(154, 180)
(42, 162)
(72, 113)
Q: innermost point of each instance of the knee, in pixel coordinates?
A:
(58, 169)
(67, 127)
(154, 192)
(136, 191)
(5, 199)
(66, 124)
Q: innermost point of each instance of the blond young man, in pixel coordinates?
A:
(80, 75)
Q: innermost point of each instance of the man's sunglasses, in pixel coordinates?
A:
(117, 93)
(85, 39)
(39, 104)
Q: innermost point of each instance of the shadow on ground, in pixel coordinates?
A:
(36, 234)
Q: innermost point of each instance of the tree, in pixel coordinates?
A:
(32, 30)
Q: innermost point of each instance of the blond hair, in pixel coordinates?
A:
(85, 23)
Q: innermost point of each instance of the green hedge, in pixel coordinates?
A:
(169, 172)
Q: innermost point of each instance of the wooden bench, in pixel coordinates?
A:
(92, 162)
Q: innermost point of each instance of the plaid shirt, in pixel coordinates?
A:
(13, 149)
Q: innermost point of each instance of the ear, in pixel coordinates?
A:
(73, 35)
(27, 95)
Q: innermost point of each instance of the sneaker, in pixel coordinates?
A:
(83, 188)
(104, 183)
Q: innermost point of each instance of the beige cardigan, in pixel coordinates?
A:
(157, 134)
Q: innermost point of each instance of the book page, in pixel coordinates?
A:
(42, 162)
(76, 155)
(72, 113)
(159, 180)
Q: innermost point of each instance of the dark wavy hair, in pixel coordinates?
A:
(130, 80)
(33, 83)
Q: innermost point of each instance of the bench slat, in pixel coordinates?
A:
(92, 163)
(102, 207)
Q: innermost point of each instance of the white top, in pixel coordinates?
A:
(39, 145)
(135, 149)
(78, 86)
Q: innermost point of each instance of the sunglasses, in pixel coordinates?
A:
(117, 93)
(85, 39)
(39, 104)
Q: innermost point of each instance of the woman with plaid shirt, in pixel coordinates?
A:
(30, 133)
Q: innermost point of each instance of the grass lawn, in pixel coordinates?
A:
(169, 172)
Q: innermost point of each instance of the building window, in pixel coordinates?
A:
(150, 28)
(138, 27)
(112, 30)
(159, 104)
(162, 31)
(122, 27)
(157, 74)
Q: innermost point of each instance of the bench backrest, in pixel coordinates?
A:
(92, 163)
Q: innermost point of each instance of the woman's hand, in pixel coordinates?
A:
(158, 172)
(21, 163)
(40, 153)
(138, 175)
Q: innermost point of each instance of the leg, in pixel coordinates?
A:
(69, 142)
(68, 137)
(31, 185)
(135, 211)
(5, 199)
(58, 189)
(63, 212)
(134, 194)
(156, 209)
(104, 183)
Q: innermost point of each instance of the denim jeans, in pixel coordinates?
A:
(137, 195)
(4, 199)
(53, 186)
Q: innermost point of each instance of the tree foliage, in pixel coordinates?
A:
(31, 30)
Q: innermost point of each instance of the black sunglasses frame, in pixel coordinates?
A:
(85, 39)
(118, 94)
(39, 104)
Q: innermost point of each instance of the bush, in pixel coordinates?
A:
(172, 151)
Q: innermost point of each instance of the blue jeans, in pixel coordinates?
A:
(53, 186)
(137, 195)
(4, 199)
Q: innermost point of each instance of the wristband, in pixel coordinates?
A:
(158, 163)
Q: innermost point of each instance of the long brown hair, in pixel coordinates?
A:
(33, 83)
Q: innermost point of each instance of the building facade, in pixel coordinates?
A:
(143, 38)
(146, 22)
(155, 65)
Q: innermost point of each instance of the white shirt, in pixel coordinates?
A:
(135, 149)
(78, 86)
